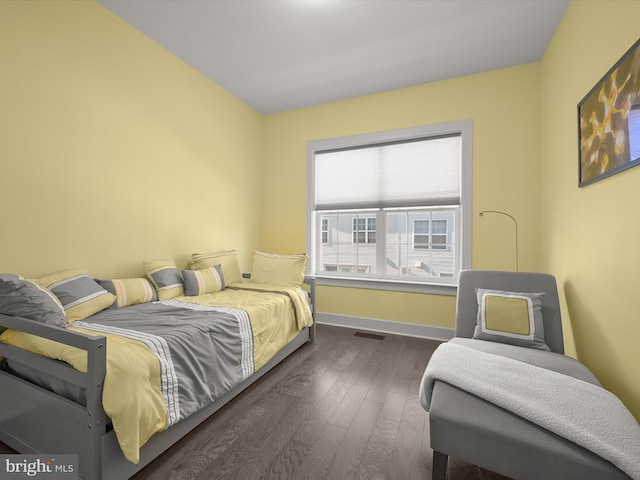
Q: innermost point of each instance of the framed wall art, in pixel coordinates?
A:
(609, 122)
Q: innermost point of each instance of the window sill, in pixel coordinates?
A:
(395, 286)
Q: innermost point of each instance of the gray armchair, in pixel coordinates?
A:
(469, 428)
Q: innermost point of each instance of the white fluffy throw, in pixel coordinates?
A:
(585, 414)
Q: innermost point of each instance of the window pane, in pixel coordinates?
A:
(416, 244)
(348, 252)
(421, 242)
(439, 226)
(421, 226)
(397, 244)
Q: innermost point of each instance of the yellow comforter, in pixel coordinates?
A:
(132, 395)
(274, 323)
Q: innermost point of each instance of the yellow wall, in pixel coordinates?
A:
(504, 107)
(590, 235)
(112, 150)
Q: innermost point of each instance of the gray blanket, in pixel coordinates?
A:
(203, 351)
(583, 413)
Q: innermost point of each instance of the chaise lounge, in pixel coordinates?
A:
(478, 431)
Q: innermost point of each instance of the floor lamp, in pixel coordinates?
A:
(515, 223)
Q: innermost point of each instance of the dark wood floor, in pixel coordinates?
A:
(343, 407)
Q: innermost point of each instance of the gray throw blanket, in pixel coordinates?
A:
(585, 414)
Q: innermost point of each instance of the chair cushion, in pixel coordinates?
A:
(550, 360)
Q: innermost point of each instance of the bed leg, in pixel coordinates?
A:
(312, 333)
(439, 465)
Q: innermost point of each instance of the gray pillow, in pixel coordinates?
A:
(22, 298)
(510, 317)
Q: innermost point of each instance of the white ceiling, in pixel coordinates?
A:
(278, 55)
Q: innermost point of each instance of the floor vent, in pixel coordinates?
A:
(374, 336)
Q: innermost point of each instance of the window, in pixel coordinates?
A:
(364, 229)
(406, 221)
(325, 230)
(423, 240)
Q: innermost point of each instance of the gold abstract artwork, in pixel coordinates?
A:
(610, 121)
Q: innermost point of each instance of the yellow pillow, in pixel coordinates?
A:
(165, 278)
(81, 296)
(227, 260)
(284, 270)
(510, 317)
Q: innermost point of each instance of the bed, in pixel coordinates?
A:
(62, 391)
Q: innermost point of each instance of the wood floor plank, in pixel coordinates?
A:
(382, 382)
(279, 448)
(399, 386)
(355, 442)
(247, 450)
(378, 451)
(350, 405)
(318, 461)
(316, 421)
(405, 460)
(286, 462)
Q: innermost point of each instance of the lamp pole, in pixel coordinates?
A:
(515, 223)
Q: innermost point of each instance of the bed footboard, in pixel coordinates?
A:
(35, 420)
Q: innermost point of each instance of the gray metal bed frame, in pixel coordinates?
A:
(34, 420)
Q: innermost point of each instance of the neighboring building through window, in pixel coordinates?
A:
(406, 220)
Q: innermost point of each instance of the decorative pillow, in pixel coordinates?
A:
(22, 298)
(129, 291)
(165, 278)
(510, 317)
(80, 295)
(284, 270)
(228, 260)
(207, 280)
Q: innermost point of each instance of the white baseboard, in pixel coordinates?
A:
(385, 326)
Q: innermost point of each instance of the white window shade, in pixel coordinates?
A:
(424, 172)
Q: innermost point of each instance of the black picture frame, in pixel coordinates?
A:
(609, 122)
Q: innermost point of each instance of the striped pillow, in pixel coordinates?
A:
(207, 280)
(129, 291)
(165, 278)
(80, 295)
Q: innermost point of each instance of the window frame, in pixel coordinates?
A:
(463, 220)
